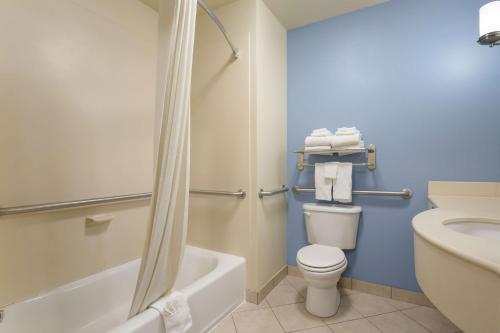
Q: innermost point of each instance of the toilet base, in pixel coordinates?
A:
(322, 302)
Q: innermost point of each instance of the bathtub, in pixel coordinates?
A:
(213, 282)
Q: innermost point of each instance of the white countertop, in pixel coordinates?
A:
(430, 225)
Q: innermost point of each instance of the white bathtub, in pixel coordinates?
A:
(213, 282)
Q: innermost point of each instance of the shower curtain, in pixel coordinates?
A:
(169, 211)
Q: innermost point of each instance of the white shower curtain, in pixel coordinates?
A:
(169, 210)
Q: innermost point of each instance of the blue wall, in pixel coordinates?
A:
(410, 75)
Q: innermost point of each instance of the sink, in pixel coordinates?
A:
(485, 228)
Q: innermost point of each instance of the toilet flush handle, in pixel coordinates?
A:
(307, 215)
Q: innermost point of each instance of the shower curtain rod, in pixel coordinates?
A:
(236, 51)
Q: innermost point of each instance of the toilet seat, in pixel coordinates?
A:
(321, 258)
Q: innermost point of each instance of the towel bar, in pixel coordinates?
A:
(371, 153)
(263, 193)
(105, 200)
(405, 193)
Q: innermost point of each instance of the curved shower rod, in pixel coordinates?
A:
(236, 51)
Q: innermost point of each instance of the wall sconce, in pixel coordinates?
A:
(489, 24)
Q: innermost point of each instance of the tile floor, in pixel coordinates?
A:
(283, 311)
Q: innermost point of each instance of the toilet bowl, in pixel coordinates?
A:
(322, 267)
(330, 228)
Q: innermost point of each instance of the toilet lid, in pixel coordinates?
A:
(321, 256)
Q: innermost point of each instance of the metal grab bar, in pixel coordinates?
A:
(263, 193)
(105, 200)
(405, 193)
(239, 194)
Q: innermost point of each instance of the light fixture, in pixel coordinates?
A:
(489, 24)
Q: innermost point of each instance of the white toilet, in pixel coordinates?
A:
(330, 229)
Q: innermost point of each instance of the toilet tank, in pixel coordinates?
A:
(332, 225)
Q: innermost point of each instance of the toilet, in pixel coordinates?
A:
(330, 229)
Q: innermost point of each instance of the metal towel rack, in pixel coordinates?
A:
(105, 200)
(405, 193)
(264, 193)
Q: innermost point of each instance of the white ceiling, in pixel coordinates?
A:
(296, 13)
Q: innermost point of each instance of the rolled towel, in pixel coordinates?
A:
(340, 141)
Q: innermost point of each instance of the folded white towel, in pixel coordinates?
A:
(317, 148)
(346, 131)
(323, 185)
(321, 132)
(360, 145)
(342, 189)
(313, 141)
(338, 141)
(175, 312)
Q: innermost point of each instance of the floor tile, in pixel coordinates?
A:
(396, 322)
(247, 306)
(400, 305)
(283, 294)
(322, 329)
(299, 284)
(431, 319)
(370, 305)
(346, 291)
(257, 321)
(295, 317)
(346, 312)
(225, 326)
(354, 326)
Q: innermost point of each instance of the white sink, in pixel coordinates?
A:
(487, 229)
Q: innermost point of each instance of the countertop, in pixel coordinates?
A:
(430, 225)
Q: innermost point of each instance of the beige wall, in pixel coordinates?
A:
(270, 137)
(239, 138)
(220, 145)
(77, 100)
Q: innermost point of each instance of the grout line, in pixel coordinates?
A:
(234, 323)
(276, 317)
(425, 328)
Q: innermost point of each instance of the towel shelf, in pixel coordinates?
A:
(264, 193)
(105, 200)
(405, 193)
(371, 153)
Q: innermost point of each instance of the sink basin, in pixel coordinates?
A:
(487, 229)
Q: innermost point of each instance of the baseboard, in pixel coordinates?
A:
(398, 294)
(258, 296)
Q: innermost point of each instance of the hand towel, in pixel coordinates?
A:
(175, 312)
(342, 190)
(317, 148)
(323, 185)
(331, 169)
(339, 141)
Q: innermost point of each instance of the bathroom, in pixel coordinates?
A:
(245, 166)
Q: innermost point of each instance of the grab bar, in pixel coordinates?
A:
(238, 194)
(405, 193)
(263, 193)
(105, 200)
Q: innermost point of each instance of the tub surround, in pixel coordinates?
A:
(460, 273)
